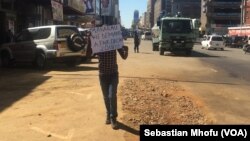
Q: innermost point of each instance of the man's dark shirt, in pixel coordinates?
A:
(107, 62)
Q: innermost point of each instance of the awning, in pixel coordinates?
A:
(67, 10)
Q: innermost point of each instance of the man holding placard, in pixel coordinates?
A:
(105, 42)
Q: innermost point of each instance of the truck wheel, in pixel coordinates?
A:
(161, 51)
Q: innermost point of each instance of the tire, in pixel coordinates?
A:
(40, 60)
(188, 52)
(161, 51)
(71, 63)
(76, 42)
(154, 47)
(5, 59)
(86, 59)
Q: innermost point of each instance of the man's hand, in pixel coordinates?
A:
(123, 52)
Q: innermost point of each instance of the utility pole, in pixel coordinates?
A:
(242, 15)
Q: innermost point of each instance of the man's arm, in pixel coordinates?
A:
(123, 52)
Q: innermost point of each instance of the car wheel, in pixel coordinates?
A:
(86, 59)
(188, 52)
(76, 42)
(161, 51)
(6, 61)
(154, 47)
(40, 61)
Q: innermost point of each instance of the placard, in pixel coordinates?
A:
(106, 38)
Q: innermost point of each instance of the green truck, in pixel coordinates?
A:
(175, 34)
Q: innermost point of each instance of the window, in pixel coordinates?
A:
(64, 32)
(217, 39)
(42, 33)
(24, 36)
(177, 26)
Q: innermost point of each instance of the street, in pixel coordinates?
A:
(62, 103)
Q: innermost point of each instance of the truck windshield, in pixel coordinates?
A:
(177, 26)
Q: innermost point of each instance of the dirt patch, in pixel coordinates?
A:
(153, 101)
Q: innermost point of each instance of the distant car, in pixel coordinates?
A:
(38, 45)
(213, 42)
(146, 36)
(238, 41)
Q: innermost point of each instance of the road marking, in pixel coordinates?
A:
(77, 93)
(88, 96)
(214, 70)
(68, 137)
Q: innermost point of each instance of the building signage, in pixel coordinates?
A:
(57, 10)
(89, 6)
(106, 38)
(106, 7)
(77, 5)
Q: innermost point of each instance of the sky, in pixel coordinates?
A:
(127, 8)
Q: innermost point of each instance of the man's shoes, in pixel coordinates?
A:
(107, 120)
(114, 124)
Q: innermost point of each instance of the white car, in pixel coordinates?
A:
(146, 36)
(213, 42)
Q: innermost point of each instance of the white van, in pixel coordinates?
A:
(213, 42)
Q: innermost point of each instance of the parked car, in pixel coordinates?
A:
(38, 45)
(238, 41)
(213, 42)
(146, 36)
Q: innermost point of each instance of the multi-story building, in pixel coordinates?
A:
(150, 14)
(246, 12)
(218, 15)
(136, 16)
(188, 8)
(159, 6)
(18, 14)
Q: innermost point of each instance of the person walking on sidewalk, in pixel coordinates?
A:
(136, 42)
(109, 79)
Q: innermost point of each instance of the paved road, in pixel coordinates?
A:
(219, 78)
(229, 97)
(66, 103)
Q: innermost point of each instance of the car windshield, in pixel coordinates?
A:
(177, 26)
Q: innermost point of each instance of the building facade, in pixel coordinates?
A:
(246, 12)
(150, 13)
(218, 15)
(188, 8)
(16, 15)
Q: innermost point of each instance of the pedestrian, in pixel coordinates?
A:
(136, 42)
(109, 79)
(9, 36)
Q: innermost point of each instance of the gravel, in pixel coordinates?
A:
(153, 101)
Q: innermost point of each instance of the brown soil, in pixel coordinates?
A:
(153, 101)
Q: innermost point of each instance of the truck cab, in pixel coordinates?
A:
(176, 34)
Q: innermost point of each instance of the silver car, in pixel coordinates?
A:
(38, 45)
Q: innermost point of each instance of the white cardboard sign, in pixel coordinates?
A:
(106, 38)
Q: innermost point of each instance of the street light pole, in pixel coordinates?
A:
(241, 15)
